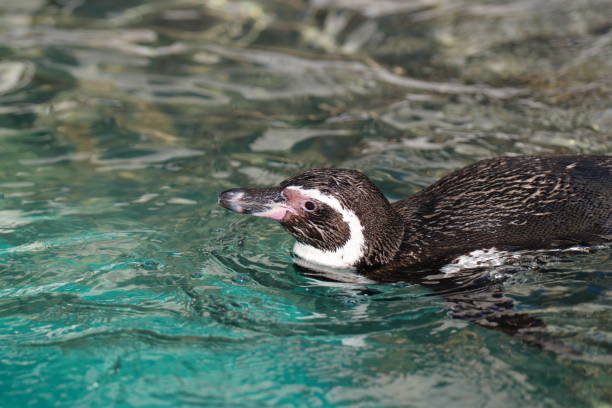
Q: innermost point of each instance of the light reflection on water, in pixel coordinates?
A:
(123, 283)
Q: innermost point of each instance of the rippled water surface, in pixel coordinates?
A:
(122, 283)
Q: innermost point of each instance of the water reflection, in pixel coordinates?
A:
(120, 121)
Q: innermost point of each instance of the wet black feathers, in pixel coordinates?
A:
(510, 202)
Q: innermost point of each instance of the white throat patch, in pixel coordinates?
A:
(344, 257)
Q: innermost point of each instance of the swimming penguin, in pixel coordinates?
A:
(340, 219)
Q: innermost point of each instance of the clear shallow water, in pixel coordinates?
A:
(121, 281)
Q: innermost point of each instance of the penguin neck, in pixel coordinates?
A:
(384, 234)
(375, 239)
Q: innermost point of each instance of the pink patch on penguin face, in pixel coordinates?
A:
(276, 213)
(294, 198)
(293, 206)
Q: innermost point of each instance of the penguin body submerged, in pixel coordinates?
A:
(340, 219)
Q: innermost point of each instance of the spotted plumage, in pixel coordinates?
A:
(340, 219)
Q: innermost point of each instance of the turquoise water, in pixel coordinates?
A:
(122, 283)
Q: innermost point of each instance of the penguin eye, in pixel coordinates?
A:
(310, 206)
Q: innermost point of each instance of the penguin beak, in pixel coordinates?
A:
(261, 202)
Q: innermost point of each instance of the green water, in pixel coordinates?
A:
(122, 283)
